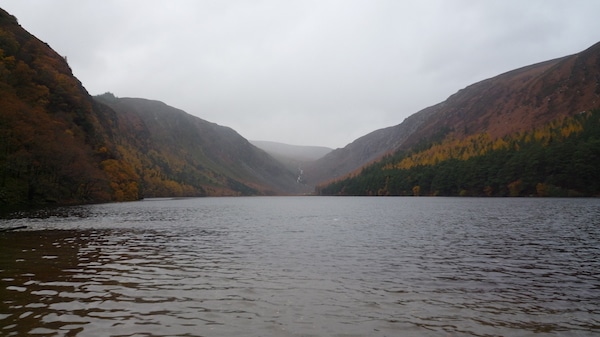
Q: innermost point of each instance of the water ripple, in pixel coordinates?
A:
(305, 267)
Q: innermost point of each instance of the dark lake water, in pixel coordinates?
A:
(305, 266)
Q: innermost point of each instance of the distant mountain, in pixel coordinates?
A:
(531, 131)
(517, 101)
(287, 152)
(58, 145)
(295, 157)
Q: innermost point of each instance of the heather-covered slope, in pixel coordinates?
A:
(520, 100)
(516, 101)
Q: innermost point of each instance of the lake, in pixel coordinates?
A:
(304, 266)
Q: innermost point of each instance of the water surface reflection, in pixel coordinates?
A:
(305, 267)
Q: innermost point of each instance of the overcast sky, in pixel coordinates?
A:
(303, 72)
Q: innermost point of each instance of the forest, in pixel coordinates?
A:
(559, 159)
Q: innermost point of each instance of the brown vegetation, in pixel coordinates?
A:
(59, 145)
(513, 102)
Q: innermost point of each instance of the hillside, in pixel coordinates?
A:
(196, 152)
(61, 146)
(50, 128)
(517, 101)
(364, 150)
(531, 131)
(559, 159)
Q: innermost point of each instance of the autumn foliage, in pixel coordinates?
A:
(59, 145)
(47, 129)
(560, 158)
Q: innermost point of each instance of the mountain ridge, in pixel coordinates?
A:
(296, 152)
(514, 101)
(207, 144)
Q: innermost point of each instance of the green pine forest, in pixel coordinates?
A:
(559, 159)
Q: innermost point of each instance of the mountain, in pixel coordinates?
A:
(295, 158)
(195, 151)
(50, 129)
(287, 152)
(364, 150)
(559, 159)
(59, 145)
(530, 131)
(517, 101)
